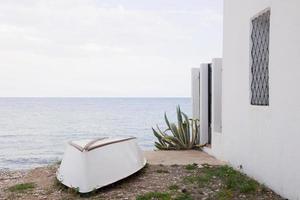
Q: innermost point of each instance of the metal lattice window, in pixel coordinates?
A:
(260, 59)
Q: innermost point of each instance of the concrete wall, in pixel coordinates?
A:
(200, 99)
(204, 103)
(265, 140)
(195, 78)
(216, 148)
(216, 95)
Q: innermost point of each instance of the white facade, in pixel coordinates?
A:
(196, 92)
(203, 103)
(262, 140)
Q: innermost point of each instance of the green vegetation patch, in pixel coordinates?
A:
(154, 195)
(224, 194)
(173, 187)
(200, 180)
(21, 187)
(232, 179)
(164, 196)
(235, 180)
(191, 166)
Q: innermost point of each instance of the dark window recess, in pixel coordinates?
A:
(209, 103)
(260, 59)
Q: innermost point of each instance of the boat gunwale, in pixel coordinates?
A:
(88, 146)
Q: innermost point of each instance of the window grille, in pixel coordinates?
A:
(260, 59)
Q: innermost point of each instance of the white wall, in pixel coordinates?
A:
(216, 141)
(195, 78)
(216, 66)
(265, 140)
(204, 103)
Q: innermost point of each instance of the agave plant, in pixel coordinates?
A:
(182, 136)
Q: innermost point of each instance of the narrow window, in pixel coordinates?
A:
(260, 59)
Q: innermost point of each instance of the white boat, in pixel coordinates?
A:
(91, 164)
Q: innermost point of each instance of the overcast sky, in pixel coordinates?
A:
(105, 47)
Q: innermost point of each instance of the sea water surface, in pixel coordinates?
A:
(34, 131)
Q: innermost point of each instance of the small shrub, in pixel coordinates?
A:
(21, 187)
(181, 136)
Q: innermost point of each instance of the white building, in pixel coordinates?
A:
(252, 117)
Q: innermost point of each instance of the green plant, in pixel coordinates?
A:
(191, 166)
(21, 187)
(154, 195)
(236, 180)
(183, 136)
(232, 180)
(224, 194)
(173, 187)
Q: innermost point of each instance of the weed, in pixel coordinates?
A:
(224, 194)
(191, 166)
(231, 178)
(237, 181)
(173, 187)
(21, 187)
(154, 195)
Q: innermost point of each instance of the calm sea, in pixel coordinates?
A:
(34, 131)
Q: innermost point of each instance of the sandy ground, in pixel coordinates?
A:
(180, 158)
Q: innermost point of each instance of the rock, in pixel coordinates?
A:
(184, 190)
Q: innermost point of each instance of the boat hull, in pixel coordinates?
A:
(100, 165)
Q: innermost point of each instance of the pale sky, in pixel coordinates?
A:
(129, 48)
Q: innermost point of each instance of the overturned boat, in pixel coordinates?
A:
(91, 164)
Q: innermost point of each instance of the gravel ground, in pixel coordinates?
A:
(153, 178)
